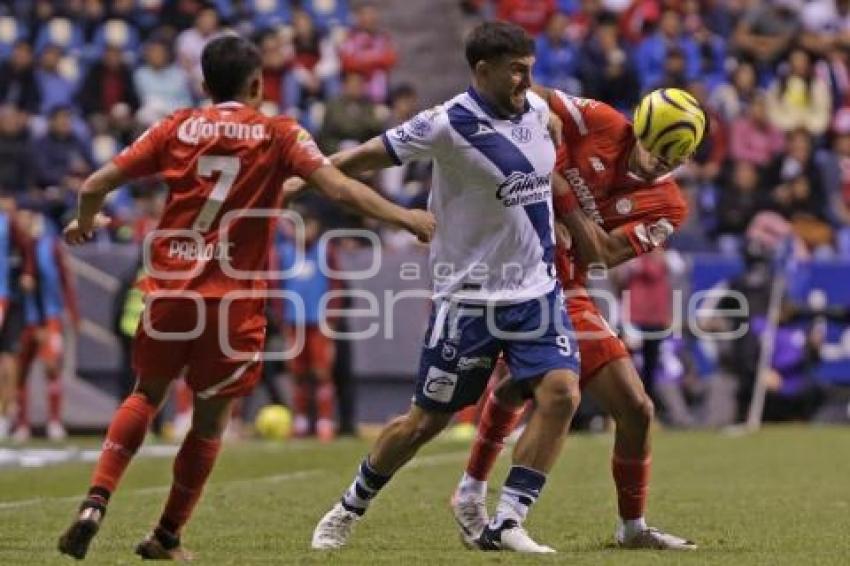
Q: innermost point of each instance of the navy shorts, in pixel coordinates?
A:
(464, 341)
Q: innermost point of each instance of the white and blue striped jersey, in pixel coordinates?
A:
(491, 196)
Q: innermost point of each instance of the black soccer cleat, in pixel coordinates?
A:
(76, 540)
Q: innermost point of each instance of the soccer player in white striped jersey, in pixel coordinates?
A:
(495, 287)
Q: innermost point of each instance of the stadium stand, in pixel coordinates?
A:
(81, 80)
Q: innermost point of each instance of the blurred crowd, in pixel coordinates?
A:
(774, 75)
(81, 79)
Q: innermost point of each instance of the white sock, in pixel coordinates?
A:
(471, 487)
(633, 526)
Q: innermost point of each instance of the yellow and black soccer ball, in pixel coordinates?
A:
(670, 124)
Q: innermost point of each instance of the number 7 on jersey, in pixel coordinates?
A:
(228, 167)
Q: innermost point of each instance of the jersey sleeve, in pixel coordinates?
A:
(301, 155)
(583, 116)
(660, 211)
(142, 158)
(417, 138)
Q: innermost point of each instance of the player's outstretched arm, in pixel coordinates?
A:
(338, 187)
(93, 192)
(593, 244)
(367, 156)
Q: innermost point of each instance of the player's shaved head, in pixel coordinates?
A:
(493, 40)
(228, 63)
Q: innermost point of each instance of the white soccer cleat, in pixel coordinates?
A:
(652, 538)
(56, 432)
(471, 516)
(512, 537)
(334, 528)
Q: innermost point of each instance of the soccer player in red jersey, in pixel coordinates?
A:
(224, 165)
(616, 198)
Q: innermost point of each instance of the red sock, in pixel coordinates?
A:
(301, 396)
(54, 395)
(23, 403)
(325, 400)
(192, 467)
(631, 475)
(126, 433)
(496, 424)
(467, 415)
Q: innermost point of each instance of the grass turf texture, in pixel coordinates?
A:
(781, 496)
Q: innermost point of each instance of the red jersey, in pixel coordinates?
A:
(593, 159)
(215, 161)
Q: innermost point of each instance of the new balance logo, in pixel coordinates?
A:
(483, 129)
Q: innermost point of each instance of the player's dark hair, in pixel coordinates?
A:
(228, 61)
(493, 40)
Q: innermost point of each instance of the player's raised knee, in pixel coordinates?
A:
(558, 391)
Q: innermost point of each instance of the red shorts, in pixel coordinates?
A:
(597, 343)
(44, 342)
(317, 354)
(212, 371)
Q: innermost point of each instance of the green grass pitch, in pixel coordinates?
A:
(781, 496)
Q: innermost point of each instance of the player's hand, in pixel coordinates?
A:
(292, 187)
(421, 224)
(79, 231)
(556, 129)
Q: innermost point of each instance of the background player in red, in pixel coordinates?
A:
(615, 199)
(218, 163)
(43, 336)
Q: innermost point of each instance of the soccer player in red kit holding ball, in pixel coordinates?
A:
(616, 198)
(224, 166)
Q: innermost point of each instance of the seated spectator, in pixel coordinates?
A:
(605, 69)
(826, 25)
(835, 166)
(108, 87)
(798, 98)
(191, 42)
(15, 164)
(532, 15)
(706, 163)
(674, 71)
(315, 72)
(276, 57)
(369, 51)
(834, 69)
(711, 49)
(18, 85)
(765, 32)
(55, 88)
(351, 117)
(61, 162)
(557, 59)
(753, 137)
(732, 98)
(162, 86)
(652, 52)
(794, 200)
(740, 197)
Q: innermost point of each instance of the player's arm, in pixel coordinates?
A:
(338, 187)
(593, 244)
(91, 197)
(141, 159)
(368, 156)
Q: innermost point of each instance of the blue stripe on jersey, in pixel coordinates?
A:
(390, 149)
(508, 158)
(5, 250)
